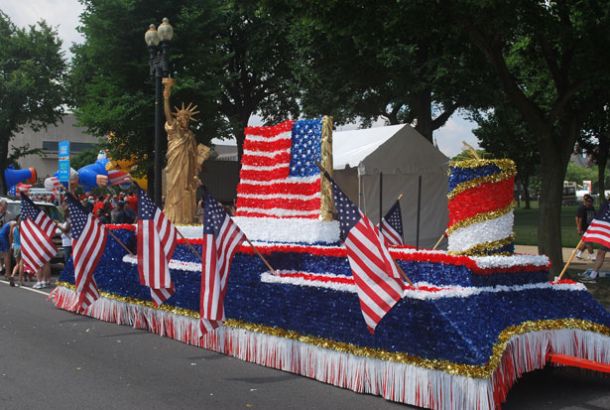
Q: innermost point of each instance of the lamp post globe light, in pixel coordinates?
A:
(158, 41)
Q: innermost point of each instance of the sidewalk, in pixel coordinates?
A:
(600, 289)
(577, 264)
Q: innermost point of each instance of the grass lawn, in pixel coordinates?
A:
(526, 223)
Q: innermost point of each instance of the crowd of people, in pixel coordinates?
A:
(119, 208)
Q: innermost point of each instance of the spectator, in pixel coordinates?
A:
(5, 248)
(584, 215)
(15, 238)
(66, 239)
(121, 216)
(3, 207)
(132, 202)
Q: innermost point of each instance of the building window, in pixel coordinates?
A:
(51, 147)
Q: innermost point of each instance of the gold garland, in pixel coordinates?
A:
(485, 248)
(504, 164)
(481, 218)
(475, 371)
(473, 183)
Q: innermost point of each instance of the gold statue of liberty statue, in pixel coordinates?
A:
(184, 160)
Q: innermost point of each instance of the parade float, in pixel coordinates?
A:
(476, 318)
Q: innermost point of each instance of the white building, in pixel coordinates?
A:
(47, 139)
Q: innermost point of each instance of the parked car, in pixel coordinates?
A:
(14, 208)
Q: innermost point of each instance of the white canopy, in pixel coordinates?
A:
(402, 155)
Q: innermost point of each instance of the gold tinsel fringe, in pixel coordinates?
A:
(482, 371)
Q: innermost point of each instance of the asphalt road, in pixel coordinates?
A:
(52, 359)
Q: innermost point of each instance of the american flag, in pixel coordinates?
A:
(375, 273)
(279, 177)
(116, 177)
(37, 229)
(391, 225)
(599, 229)
(221, 237)
(157, 240)
(88, 244)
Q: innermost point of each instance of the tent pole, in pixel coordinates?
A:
(418, 212)
(380, 201)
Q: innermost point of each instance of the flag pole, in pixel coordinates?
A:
(261, 256)
(188, 244)
(568, 262)
(402, 237)
(403, 274)
(439, 240)
(418, 212)
(380, 202)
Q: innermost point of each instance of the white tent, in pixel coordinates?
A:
(402, 155)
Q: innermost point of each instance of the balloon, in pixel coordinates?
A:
(14, 176)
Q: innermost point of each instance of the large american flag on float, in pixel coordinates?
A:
(375, 273)
(157, 240)
(279, 177)
(221, 237)
(88, 244)
(599, 229)
(37, 231)
(391, 225)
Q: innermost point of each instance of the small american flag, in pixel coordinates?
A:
(116, 177)
(157, 240)
(391, 225)
(88, 242)
(599, 229)
(37, 229)
(221, 237)
(279, 177)
(375, 273)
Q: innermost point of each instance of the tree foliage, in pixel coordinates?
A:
(503, 134)
(551, 60)
(361, 60)
(31, 77)
(229, 57)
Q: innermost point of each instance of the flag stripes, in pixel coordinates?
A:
(88, 244)
(157, 240)
(277, 168)
(221, 237)
(389, 233)
(37, 248)
(598, 232)
(375, 273)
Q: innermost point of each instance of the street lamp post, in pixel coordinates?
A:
(158, 48)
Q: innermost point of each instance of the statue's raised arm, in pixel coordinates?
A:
(168, 83)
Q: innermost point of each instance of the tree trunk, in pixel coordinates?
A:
(239, 124)
(554, 157)
(4, 140)
(525, 182)
(601, 178)
(422, 110)
(602, 161)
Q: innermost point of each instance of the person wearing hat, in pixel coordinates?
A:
(584, 215)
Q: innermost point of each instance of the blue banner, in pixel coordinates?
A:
(63, 156)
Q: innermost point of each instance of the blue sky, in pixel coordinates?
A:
(64, 14)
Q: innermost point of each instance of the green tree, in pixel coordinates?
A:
(503, 134)
(84, 158)
(229, 57)
(594, 139)
(550, 59)
(31, 90)
(361, 60)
